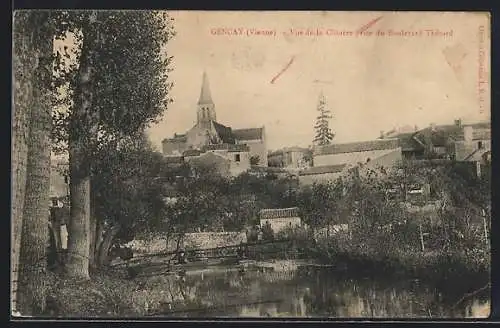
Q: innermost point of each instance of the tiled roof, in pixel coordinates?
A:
(323, 169)
(224, 132)
(406, 142)
(275, 213)
(379, 144)
(440, 134)
(248, 134)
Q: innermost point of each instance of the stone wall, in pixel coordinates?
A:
(201, 240)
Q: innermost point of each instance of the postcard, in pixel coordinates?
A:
(230, 164)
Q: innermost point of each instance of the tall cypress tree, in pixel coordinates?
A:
(324, 134)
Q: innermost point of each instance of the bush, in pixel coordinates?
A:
(267, 232)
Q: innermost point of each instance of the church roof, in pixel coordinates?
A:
(205, 95)
(248, 134)
(224, 132)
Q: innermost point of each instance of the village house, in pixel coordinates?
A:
(232, 150)
(319, 174)
(289, 158)
(280, 218)
(462, 142)
(335, 160)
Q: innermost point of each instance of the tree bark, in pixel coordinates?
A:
(78, 233)
(81, 129)
(22, 86)
(36, 213)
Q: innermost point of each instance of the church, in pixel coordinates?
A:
(233, 150)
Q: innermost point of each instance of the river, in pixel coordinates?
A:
(312, 292)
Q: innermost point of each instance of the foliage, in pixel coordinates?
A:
(255, 160)
(267, 232)
(129, 74)
(324, 134)
(125, 187)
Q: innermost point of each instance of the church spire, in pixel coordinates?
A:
(205, 96)
(206, 107)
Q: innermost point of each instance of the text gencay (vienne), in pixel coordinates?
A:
(242, 31)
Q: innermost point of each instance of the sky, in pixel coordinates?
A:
(371, 82)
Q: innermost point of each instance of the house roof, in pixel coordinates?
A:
(249, 134)
(440, 133)
(352, 147)
(275, 213)
(407, 142)
(323, 169)
(224, 132)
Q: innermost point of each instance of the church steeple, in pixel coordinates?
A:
(205, 96)
(206, 106)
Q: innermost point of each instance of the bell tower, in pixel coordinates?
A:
(206, 106)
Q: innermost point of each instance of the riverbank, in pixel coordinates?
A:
(112, 294)
(443, 270)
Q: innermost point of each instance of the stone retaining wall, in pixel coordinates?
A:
(201, 240)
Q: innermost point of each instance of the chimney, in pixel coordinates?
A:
(458, 123)
(468, 131)
(433, 126)
(416, 128)
(382, 134)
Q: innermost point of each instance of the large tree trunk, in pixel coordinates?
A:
(81, 127)
(78, 232)
(22, 87)
(35, 234)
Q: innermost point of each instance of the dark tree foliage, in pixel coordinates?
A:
(126, 188)
(324, 134)
(130, 71)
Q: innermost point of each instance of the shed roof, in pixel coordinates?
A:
(275, 213)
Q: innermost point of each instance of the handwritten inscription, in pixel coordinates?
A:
(330, 32)
(482, 78)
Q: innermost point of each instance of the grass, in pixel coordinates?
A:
(110, 294)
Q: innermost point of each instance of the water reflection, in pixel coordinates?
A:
(308, 292)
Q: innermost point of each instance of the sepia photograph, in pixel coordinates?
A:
(250, 164)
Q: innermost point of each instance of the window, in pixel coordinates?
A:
(237, 157)
(479, 144)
